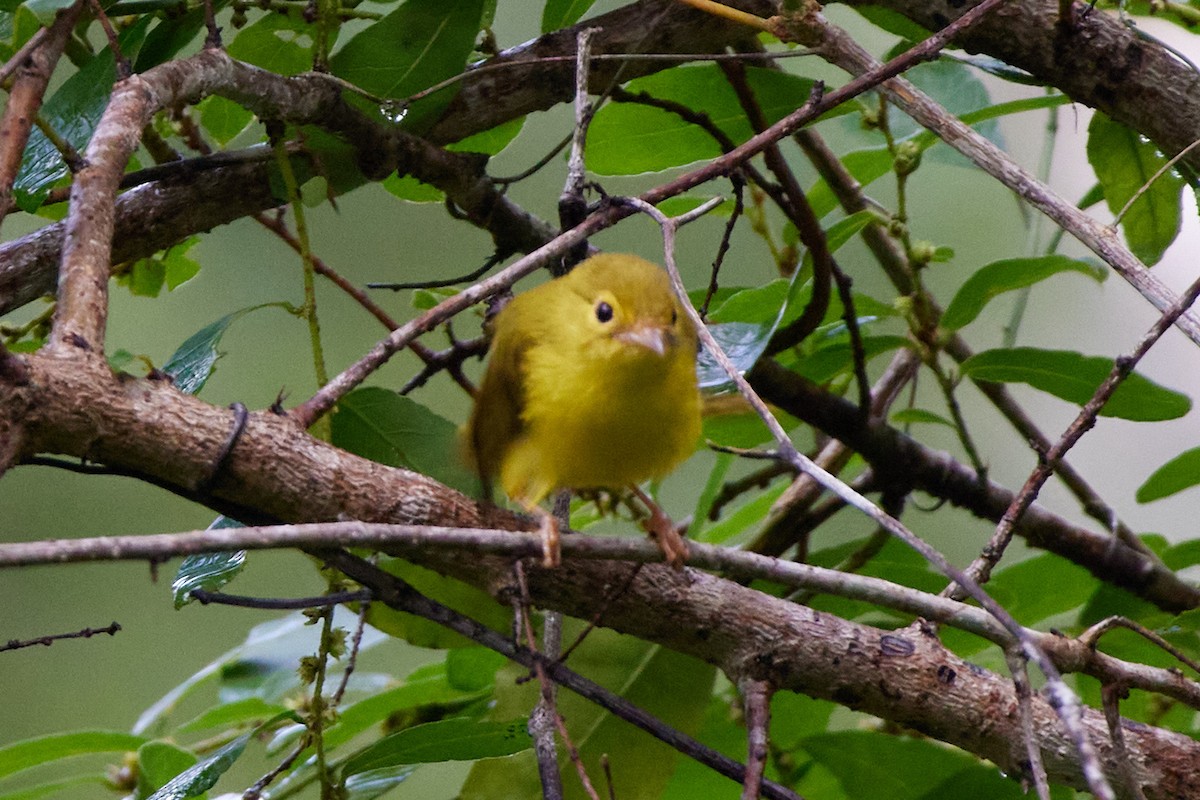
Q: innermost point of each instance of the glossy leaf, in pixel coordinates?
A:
(1074, 377)
(1005, 276)
(419, 44)
(387, 427)
(27, 753)
(208, 571)
(193, 362)
(457, 739)
(72, 111)
(374, 782)
(743, 342)
(203, 776)
(561, 13)
(1125, 163)
(1181, 472)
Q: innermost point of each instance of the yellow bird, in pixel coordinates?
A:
(591, 383)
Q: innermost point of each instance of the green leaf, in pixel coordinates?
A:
(458, 739)
(1021, 588)
(491, 141)
(410, 189)
(192, 364)
(208, 571)
(828, 361)
(51, 788)
(384, 426)
(159, 762)
(841, 232)
(279, 43)
(239, 712)
(145, 278)
(867, 166)
(1182, 555)
(179, 268)
(223, 119)
(870, 764)
(1181, 472)
(273, 646)
(170, 36)
(561, 13)
(419, 44)
(28, 753)
(1074, 377)
(1005, 276)
(1125, 163)
(473, 669)
(428, 686)
(629, 138)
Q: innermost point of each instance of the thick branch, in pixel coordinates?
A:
(1092, 58)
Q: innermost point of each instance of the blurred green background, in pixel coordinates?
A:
(108, 681)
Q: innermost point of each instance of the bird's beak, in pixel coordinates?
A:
(653, 338)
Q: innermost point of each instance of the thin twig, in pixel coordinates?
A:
(542, 722)
(1018, 668)
(756, 699)
(1111, 696)
(46, 641)
(205, 597)
(1091, 637)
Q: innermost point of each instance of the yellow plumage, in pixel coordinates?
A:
(591, 383)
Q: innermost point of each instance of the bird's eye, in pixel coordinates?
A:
(674, 316)
(604, 311)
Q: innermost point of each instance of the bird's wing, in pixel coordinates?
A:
(496, 423)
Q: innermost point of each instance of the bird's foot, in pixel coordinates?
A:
(667, 535)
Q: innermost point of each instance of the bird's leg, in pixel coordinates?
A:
(660, 526)
(548, 531)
